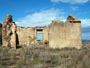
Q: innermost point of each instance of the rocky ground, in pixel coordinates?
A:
(44, 57)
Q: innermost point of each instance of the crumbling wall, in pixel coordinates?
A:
(65, 34)
(26, 36)
(75, 34)
(58, 34)
(9, 32)
(46, 35)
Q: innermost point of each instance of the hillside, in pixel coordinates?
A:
(44, 57)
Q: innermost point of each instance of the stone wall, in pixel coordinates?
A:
(9, 32)
(27, 36)
(65, 34)
(58, 34)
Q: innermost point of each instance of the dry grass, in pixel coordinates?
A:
(44, 57)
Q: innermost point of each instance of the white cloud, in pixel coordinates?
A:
(74, 8)
(71, 1)
(41, 18)
(46, 16)
(85, 29)
(85, 22)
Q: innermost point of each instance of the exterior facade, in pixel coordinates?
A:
(58, 34)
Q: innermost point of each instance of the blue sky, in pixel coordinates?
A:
(42, 12)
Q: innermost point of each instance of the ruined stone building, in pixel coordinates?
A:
(58, 34)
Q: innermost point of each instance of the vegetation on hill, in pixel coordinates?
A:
(44, 57)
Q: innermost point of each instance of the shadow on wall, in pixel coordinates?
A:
(17, 41)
